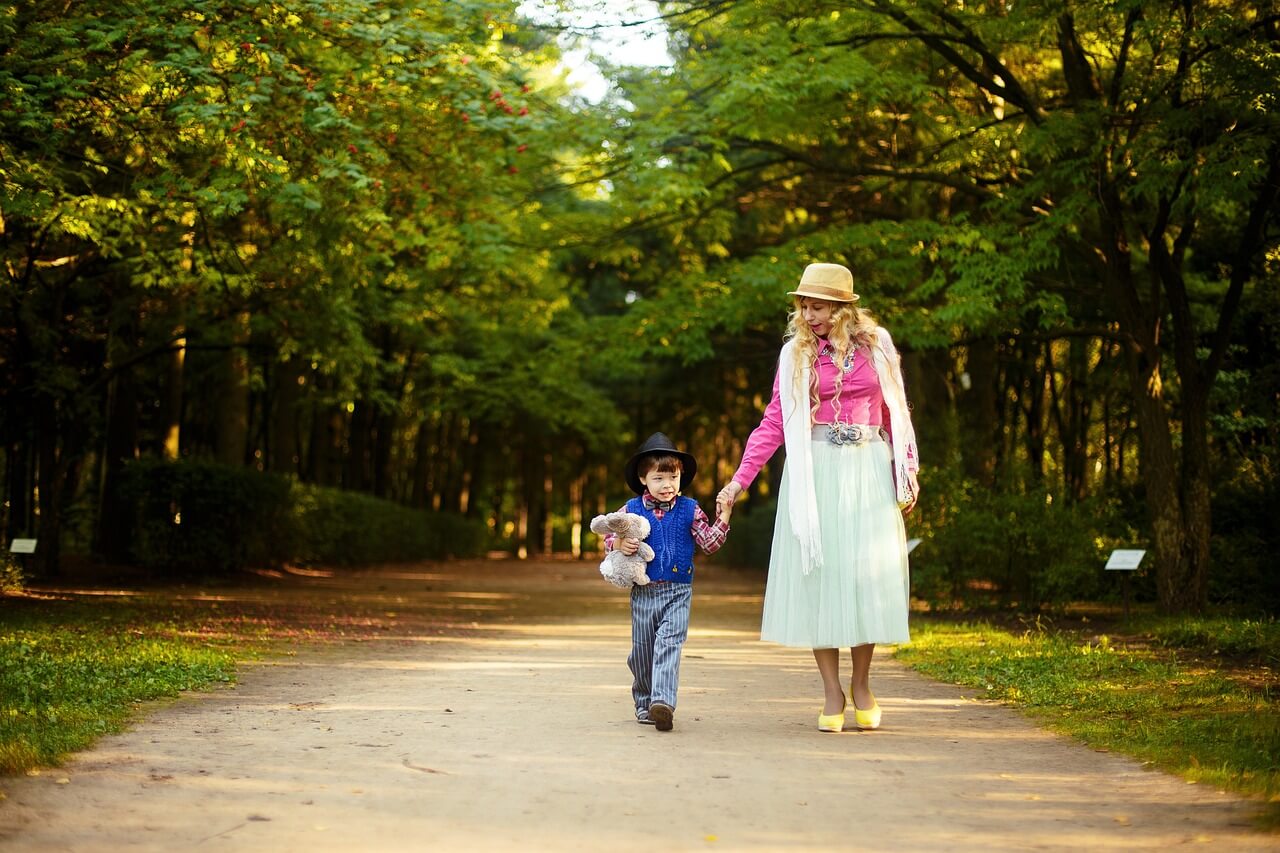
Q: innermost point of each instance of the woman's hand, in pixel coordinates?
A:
(729, 493)
(913, 487)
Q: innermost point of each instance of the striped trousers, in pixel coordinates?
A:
(659, 626)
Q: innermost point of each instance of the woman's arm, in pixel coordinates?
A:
(763, 442)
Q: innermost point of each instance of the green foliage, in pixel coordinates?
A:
(1027, 550)
(1188, 719)
(1245, 539)
(64, 685)
(11, 576)
(203, 518)
(1256, 640)
(331, 526)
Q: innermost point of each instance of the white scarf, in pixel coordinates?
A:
(797, 429)
(796, 432)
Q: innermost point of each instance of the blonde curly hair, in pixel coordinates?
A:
(850, 327)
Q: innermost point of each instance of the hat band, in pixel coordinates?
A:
(821, 290)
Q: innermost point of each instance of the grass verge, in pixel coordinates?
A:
(71, 673)
(74, 664)
(1154, 696)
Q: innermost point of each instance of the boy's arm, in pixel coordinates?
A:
(709, 537)
(611, 539)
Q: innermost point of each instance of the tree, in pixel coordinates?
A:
(1101, 170)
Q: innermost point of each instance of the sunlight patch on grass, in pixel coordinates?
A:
(1188, 719)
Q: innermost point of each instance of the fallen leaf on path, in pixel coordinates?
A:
(63, 781)
(257, 817)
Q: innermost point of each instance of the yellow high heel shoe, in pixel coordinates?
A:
(868, 719)
(831, 722)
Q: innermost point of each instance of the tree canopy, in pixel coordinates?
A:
(384, 246)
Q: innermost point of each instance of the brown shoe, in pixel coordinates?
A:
(661, 713)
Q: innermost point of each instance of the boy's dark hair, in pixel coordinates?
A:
(665, 463)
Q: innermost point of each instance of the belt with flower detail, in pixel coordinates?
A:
(848, 434)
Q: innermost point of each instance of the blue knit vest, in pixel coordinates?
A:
(671, 540)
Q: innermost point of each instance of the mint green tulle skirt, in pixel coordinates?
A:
(861, 593)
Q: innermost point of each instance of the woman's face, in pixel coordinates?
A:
(817, 313)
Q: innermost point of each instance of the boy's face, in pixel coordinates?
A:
(663, 485)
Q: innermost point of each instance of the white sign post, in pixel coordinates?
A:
(1125, 560)
(23, 548)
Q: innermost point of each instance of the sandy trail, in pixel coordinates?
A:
(519, 736)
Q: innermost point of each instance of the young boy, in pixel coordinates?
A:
(660, 609)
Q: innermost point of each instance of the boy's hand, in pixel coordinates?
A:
(724, 508)
(628, 545)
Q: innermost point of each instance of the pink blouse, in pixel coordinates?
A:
(860, 402)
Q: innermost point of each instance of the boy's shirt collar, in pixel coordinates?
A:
(652, 503)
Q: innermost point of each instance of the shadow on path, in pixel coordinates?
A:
(513, 729)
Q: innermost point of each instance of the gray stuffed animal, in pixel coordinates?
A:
(617, 568)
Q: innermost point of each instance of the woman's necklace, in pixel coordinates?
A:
(830, 351)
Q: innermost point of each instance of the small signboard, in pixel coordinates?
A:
(22, 546)
(1123, 559)
(911, 545)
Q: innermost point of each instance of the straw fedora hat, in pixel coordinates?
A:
(832, 282)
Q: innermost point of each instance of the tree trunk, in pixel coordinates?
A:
(18, 473)
(49, 478)
(1075, 438)
(384, 425)
(548, 534)
(113, 539)
(1187, 587)
(283, 454)
(421, 495)
(1031, 393)
(358, 441)
(173, 400)
(979, 414)
(231, 439)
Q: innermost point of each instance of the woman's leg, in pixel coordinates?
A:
(829, 668)
(860, 682)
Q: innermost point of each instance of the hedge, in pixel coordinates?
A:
(201, 518)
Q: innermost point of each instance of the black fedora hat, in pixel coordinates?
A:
(659, 445)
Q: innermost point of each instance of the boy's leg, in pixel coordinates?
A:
(644, 623)
(672, 630)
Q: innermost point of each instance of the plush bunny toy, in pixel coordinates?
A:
(617, 568)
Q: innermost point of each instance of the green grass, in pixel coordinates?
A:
(73, 672)
(1157, 699)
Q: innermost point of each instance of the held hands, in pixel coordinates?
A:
(724, 508)
(725, 499)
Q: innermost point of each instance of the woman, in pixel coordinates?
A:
(838, 567)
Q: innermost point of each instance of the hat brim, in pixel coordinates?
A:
(818, 292)
(688, 464)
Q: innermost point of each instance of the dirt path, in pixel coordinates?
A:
(519, 736)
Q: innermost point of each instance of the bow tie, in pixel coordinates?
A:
(654, 503)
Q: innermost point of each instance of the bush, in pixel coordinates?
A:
(1026, 550)
(202, 518)
(1245, 540)
(350, 528)
(199, 518)
(11, 577)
